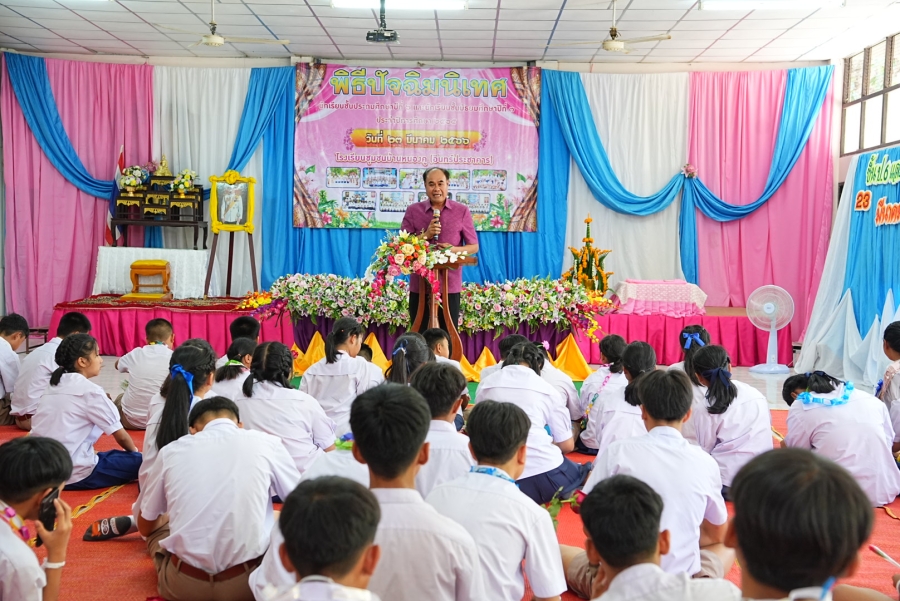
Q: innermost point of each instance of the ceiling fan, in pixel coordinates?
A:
(613, 43)
(213, 39)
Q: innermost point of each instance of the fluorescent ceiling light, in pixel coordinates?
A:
(403, 4)
(770, 4)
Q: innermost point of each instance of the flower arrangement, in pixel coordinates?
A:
(134, 176)
(184, 181)
(587, 269)
(407, 254)
(689, 171)
(255, 300)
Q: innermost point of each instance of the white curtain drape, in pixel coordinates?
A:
(643, 123)
(197, 113)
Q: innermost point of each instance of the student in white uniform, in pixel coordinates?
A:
(13, 332)
(443, 387)
(376, 376)
(520, 383)
(557, 378)
(507, 526)
(229, 379)
(692, 338)
(615, 413)
(439, 342)
(147, 367)
(270, 405)
(216, 487)
(735, 424)
(242, 327)
(76, 412)
(625, 543)
(506, 343)
(34, 373)
(424, 555)
(31, 468)
(341, 375)
(848, 426)
(612, 346)
(409, 353)
(684, 476)
(344, 513)
(890, 385)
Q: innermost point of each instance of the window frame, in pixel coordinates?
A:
(865, 96)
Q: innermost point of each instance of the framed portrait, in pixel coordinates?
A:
(231, 203)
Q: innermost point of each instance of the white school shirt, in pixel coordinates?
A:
(735, 437)
(376, 376)
(857, 436)
(21, 576)
(270, 576)
(449, 456)
(217, 485)
(891, 392)
(221, 361)
(686, 478)
(293, 416)
(147, 368)
(336, 385)
(231, 389)
(507, 527)
(9, 368)
(520, 386)
(319, 588)
(611, 417)
(564, 386)
(455, 364)
(424, 555)
(338, 463)
(34, 377)
(76, 412)
(648, 582)
(698, 402)
(490, 369)
(591, 386)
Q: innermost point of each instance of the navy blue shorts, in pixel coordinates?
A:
(583, 448)
(113, 468)
(458, 422)
(569, 476)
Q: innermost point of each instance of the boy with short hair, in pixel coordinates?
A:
(376, 376)
(506, 344)
(506, 524)
(36, 368)
(439, 342)
(13, 332)
(242, 327)
(30, 469)
(443, 387)
(424, 555)
(148, 367)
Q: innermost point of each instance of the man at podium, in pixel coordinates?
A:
(445, 223)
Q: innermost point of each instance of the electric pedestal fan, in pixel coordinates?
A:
(770, 308)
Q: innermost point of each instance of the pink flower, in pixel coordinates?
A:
(417, 266)
(497, 307)
(399, 258)
(326, 218)
(497, 221)
(393, 271)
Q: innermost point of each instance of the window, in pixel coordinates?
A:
(871, 114)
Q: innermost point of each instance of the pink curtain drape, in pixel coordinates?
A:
(734, 120)
(53, 229)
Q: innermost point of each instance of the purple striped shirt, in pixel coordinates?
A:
(457, 229)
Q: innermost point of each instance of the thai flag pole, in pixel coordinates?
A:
(120, 167)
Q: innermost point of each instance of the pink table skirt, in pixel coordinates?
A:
(675, 298)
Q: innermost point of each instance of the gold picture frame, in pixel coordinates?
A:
(236, 211)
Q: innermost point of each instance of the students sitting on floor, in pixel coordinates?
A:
(506, 343)
(34, 373)
(615, 412)
(439, 342)
(242, 327)
(612, 346)
(691, 339)
(376, 376)
(625, 544)
(507, 526)
(31, 469)
(424, 555)
(686, 478)
(76, 412)
(890, 385)
(216, 488)
(735, 424)
(519, 382)
(229, 379)
(563, 384)
(443, 387)
(270, 405)
(147, 367)
(846, 425)
(340, 376)
(13, 332)
(409, 353)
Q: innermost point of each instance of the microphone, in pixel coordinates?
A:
(436, 215)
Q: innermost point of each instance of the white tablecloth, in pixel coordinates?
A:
(188, 270)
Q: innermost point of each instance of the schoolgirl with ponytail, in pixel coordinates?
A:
(734, 425)
(691, 339)
(229, 379)
(337, 379)
(75, 411)
(409, 352)
(610, 371)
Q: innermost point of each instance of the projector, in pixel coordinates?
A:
(382, 36)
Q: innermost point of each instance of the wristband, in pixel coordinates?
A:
(53, 565)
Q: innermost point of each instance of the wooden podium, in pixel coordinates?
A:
(442, 272)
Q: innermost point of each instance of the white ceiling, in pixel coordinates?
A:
(499, 30)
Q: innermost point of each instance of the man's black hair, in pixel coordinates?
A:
(73, 323)
(508, 342)
(13, 324)
(244, 327)
(666, 395)
(497, 431)
(435, 335)
(216, 404)
(441, 384)
(31, 464)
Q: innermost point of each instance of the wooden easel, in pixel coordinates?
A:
(212, 259)
(443, 271)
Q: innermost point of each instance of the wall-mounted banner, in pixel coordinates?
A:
(365, 135)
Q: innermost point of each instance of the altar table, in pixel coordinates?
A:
(188, 270)
(673, 298)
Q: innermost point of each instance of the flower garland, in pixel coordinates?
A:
(808, 399)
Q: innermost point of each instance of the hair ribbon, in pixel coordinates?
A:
(233, 362)
(719, 373)
(188, 376)
(690, 339)
(400, 347)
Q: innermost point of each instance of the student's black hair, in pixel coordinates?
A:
(365, 351)
(216, 404)
(638, 358)
(612, 346)
(441, 384)
(409, 353)
(73, 323)
(799, 518)
(244, 327)
(433, 336)
(196, 357)
(666, 395)
(497, 431)
(327, 523)
(622, 516)
(712, 362)
(31, 464)
(239, 348)
(813, 381)
(891, 335)
(430, 169)
(340, 333)
(529, 353)
(389, 425)
(272, 362)
(508, 342)
(158, 330)
(692, 348)
(13, 324)
(69, 351)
